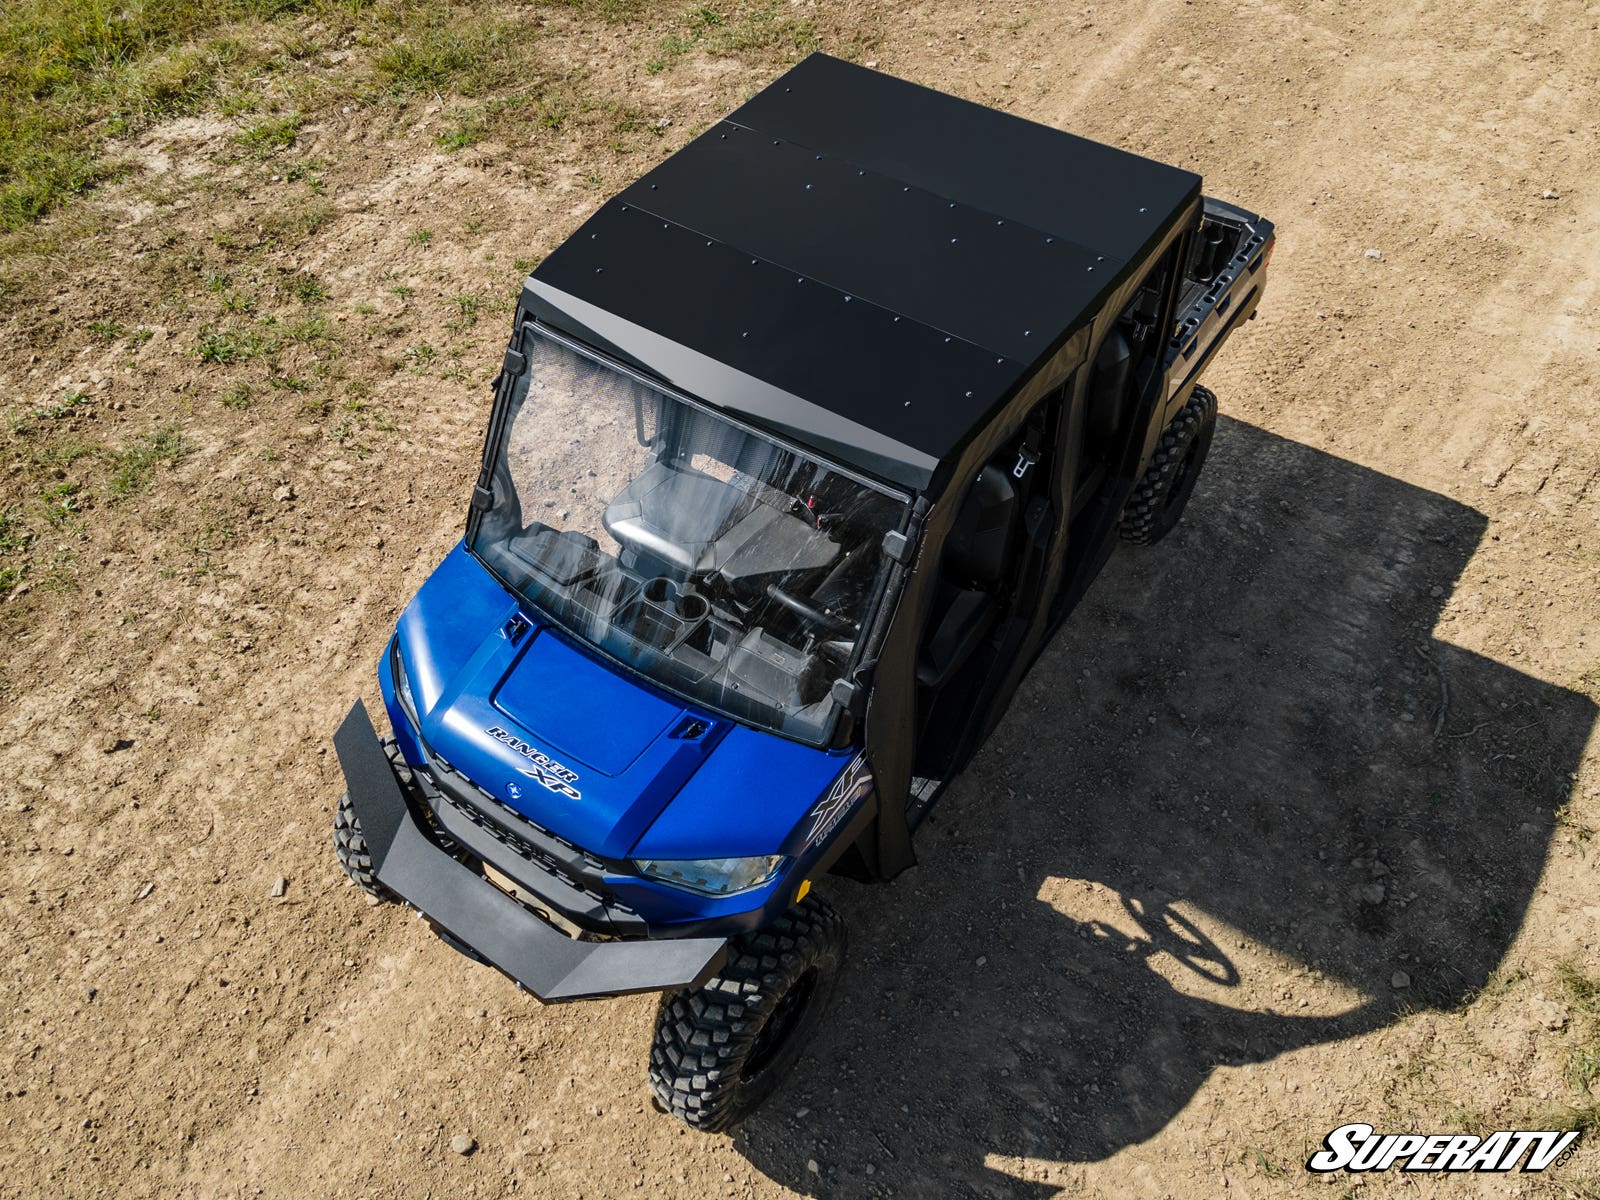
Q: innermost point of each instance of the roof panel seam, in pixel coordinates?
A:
(947, 334)
(1049, 234)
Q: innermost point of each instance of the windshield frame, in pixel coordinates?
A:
(495, 443)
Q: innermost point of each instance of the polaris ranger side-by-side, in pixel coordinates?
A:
(803, 447)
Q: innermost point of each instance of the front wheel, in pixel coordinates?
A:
(350, 848)
(1157, 503)
(720, 1049)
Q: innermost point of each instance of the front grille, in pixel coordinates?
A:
(518, 845)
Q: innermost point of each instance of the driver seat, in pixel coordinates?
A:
(977, 552)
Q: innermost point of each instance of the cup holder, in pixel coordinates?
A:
(668, 596)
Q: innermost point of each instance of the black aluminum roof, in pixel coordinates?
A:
(865, 265)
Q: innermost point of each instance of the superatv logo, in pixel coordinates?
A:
(543, 769)
(1357, 1147)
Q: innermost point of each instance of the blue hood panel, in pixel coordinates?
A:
(573, 704)
(587, 751)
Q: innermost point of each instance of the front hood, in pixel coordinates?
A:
(570, 745)
(587, 751)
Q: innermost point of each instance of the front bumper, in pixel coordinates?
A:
(487, 922)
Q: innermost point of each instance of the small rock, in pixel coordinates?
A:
(145, 891)
(983, 960)
(280, 885)
(1550, 194)
(284, 494)
(1374, 253)
(811, 1165)
(89, 993)
(463, 1145)
(872, 63)
(1399, 981)
(801, 1114)
(1374, 893)
(1549, 1015)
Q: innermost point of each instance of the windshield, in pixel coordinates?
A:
(720, 564)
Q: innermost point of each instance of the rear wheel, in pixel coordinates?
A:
(350, 848)
(1159, 500)
(721, 1049)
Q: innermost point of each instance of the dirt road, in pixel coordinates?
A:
(1292, 826)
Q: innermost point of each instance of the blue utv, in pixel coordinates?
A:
(802, 448)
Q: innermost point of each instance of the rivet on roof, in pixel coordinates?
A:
(953, 241)
(1049, 241)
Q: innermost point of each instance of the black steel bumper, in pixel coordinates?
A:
(473, 913)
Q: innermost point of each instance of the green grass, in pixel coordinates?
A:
(135, 465)
(1582, 989)
(309, 289)
(266, 137)
(62, 408)
(438, 49)
(77, 73)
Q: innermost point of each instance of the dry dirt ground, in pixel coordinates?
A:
(1337, 734)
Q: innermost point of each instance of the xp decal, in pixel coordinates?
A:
(544, 770)
(854, 782)
(1358, 1147)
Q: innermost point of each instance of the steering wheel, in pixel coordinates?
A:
(810, 613)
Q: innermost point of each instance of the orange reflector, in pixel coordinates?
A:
(800, 892)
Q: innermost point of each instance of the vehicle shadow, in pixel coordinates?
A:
(1244, 776)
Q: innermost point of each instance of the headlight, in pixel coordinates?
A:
(402, 685)
(712, 876)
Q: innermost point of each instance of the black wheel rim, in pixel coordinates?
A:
(780, 1026)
